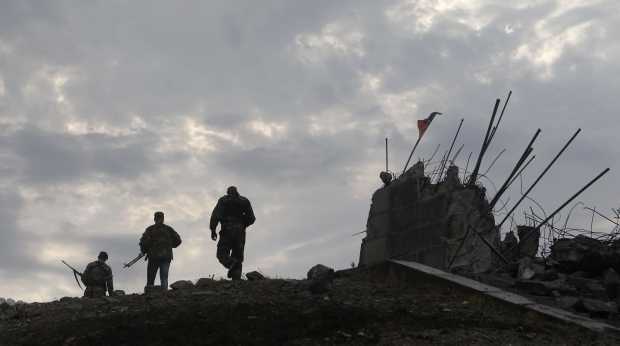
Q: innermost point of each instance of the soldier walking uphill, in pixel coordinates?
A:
(97, 276)
(157, 242)
(235, 213)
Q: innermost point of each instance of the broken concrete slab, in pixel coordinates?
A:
(415, 220)
(611, 281)
(595, 291)
(528, 246)
(510, 240)
(421, 273)
(584, 253)
(551, 275)
(525, 274)
(511, 268)
(579, 282)
(566, 303)
(546, 288)
(594, 307)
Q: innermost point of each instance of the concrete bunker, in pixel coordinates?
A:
(413, 219)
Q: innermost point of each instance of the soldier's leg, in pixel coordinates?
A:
(163, 274)
(151, 271)
(237, 253)
(98, 292)
(223, 249)
(87, 291)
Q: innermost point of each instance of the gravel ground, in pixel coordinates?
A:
(359, 310)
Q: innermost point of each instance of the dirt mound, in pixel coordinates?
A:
(359, 310)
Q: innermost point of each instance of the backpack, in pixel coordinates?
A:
(88, 280)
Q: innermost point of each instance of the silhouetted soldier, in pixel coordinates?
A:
(235, 213)
(157, 242)
(97, 276)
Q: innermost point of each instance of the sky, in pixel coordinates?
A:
(112, 110)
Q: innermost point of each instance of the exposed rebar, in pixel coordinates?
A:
(539, 177)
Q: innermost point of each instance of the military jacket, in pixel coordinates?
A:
(158, 240)
(234, 207)
(98, 274)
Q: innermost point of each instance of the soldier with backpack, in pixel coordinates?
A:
(97, 277)
(234, 212)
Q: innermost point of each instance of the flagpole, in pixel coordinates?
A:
(415, 146)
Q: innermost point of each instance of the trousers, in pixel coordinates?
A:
(231, 245)
(163, 265)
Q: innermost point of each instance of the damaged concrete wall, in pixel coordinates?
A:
(412, 219)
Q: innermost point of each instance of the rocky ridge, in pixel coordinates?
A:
(352, 307)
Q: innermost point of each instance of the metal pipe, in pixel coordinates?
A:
(490, 246)
(558, 210)
(522, 169)
(474, 174)
(415, 146)
(449, 151)
(522, 159)
(540, 177)
(500, 118)
(459, 249)
(386, 155)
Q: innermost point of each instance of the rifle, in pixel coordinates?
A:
(134, 260)
(75, 274)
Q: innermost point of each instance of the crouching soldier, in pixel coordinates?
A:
(97, 277)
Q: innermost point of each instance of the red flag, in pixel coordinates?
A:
(424, 124)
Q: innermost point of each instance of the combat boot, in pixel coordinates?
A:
(236, 275)
(236, 266)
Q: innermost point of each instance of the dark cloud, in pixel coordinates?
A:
(112, 110)
(62, 158)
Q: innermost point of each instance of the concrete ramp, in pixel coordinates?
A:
(412, 271)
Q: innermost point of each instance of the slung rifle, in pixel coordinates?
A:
(75, 274)
(135, 260)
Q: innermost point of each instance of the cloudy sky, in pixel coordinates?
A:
(110, 111)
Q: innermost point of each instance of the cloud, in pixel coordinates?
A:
(111, 111)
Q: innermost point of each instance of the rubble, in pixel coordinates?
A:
(595, 308)
(528, 248)
(254, 276)
(417, 220)
(546, 288)
(182, 284)
(594, 291)
(117, 293)
(320, 271)
(584, 253)
(611, 282)
(153, 288)
(204, 282)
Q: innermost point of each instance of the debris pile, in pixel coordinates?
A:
(581, 273)
(430, 223)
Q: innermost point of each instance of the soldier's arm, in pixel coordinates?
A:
(108, 280)
(249, 214)
(176, 238)
(145, 242)
(216, 216)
